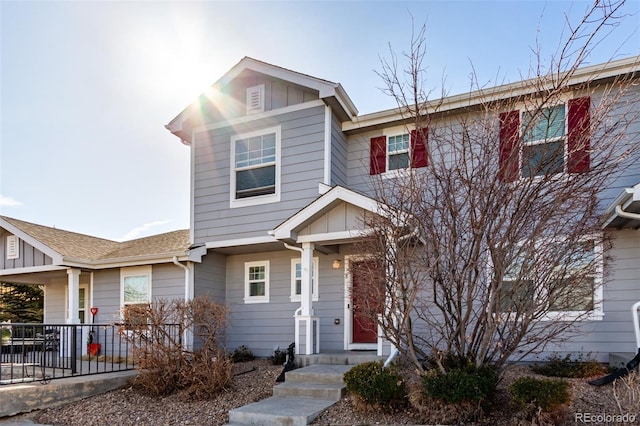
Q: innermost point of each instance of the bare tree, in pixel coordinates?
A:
(495, 248)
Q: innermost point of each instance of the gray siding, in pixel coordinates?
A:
(29, 255)
(261, 326)
(209, 277)
(106, 294)
(338, 154)
(54, 302)
(302, 151)
(614, 333)
(167, 281)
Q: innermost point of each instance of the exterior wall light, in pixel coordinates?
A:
(336, 264)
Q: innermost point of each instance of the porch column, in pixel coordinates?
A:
(73, 296)
(306, 294)
(305, 312)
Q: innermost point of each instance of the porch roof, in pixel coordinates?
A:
(624, 211)
(288, 230)
(67, 247)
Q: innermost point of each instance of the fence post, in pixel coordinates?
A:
(74, 349)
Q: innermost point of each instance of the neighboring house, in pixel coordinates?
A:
(79, 272)
(281, 173)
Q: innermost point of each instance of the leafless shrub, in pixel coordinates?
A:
(486, 255)
(626, 392)
(156, 333)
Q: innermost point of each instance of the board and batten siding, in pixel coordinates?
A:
(302, 168)
(28, 255)
(262, 326)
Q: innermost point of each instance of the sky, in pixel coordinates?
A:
(86, 87)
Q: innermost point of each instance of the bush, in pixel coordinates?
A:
(164, 365)
(547, 394)
(242, 354)
(279, 357)
(375, 385)
(462, 384)
(555, 366)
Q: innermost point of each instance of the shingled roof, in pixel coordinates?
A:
(81, 246)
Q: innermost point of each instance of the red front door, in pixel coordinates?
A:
(367, 292)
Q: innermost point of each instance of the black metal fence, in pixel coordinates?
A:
(42, 352)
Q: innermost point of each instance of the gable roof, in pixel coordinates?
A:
(287, 229)
(66, 246)
(332, 93)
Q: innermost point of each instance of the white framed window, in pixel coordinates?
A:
(544, 142)
(135, 285)
(256, 282)
(255, 99)
(255, 167)
(398, 151)
(13, 247)
(575, 293)
(296, 280)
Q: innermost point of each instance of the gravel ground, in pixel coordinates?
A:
(127, 406)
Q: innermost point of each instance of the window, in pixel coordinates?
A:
(255, 99)
(571, 286)
(543, 142)
(550, 141)
(296, 280)
(256, 282)
(398, 151)
(135, 285)
(13, 248)
(256, 168)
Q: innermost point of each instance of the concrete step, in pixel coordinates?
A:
(338, 358)
(318, 373)
(279, 411)
(328, 391)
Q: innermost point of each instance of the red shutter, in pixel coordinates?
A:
(509, 153)
(578, 140)
(419, 139)
(378, 155)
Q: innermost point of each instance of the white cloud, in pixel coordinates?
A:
(8, 201)
(140, 230)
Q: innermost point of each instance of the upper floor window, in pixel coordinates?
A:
(255, 167)
(549, 141)
(296, 280)
(256, 282)
(543, 141)
(398, 151)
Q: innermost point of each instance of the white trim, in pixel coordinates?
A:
(240, 242)
(338, 193)
(233, 122)
(135, 271)
(297, 297)
(259, 199)
(256, 299)
(54, 255)
(31, 269)
(327, 145)
(334, 236)
(467, 100)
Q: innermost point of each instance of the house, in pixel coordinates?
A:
(281, 169)
(79, 272)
